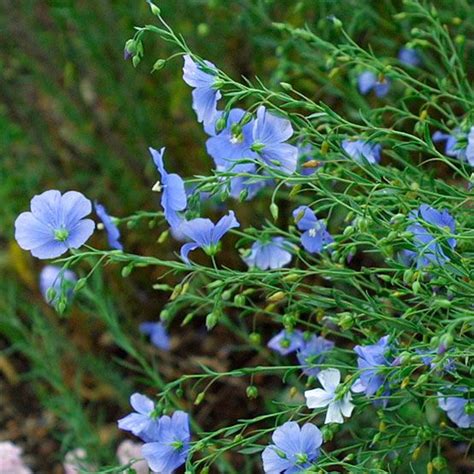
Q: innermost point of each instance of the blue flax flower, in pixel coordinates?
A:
(269, 254)
(409, 57)
(171, 445)
(362, 151)
(313, 353)
(368, 81)
(54, 282)
(55, 224)
(269, 136)
(457, 144)
(233, 143)
(142, 422)
(372, 360)
(113, 233)
(315, 235)
(158, 334)
(205, 93)
(173, 197)
(286, 342)
(428, 246)
(293, 449)
(205, 234)
(459, 409)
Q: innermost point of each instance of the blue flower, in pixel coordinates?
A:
(54, 282)
(55, 224)
(315, 236)
(269, 255)
(269, 136)
(113, 233)
(205, 93)
(170, 448)
(372, 360)
(233, 143)
(362, 151)
(409, 56)
(368, 81)
(429, 248)
(458, 144)
(457, 409)
(205, 234)
(142, 422)
(158, 334)
(313, 353)
(286, 342)
(173, 197)
(293, 449)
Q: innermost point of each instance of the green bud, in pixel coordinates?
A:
(439, 463)
(61, 306)
(416, 286)
(255, 338)
(160, 64)
(199, 398)
(252, 392)
(286, 86)
(164, 315)
(154, 9)
(239, 300)
(136, 60)
(327, 433)
(346, 321)
(203, 29)
(211, 320)
(81, 283)
(221, 123)
(274, 211)
(226, 295)
(127, 270)
(51, 294)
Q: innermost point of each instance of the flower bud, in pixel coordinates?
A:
(252, 392)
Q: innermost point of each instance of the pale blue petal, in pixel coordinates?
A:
(312, 244)
(199, 230)
(204, 104)
(176, 194)
(113, 233)
(270, 129)
(157, 156)
(381, 89)
(186, 248)
(195, 76)
(30, 233)
(52, 249)
(80, 233)
(283, 157)
(366, 81)
(142, 404)
(224, 224)
(74, 206)
(305, 218)
(46, 208)
(272, 462)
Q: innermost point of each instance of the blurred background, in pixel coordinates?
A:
(75, 115)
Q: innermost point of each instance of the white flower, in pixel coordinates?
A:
(327, 397)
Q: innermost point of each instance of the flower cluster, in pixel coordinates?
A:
(257, 151)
